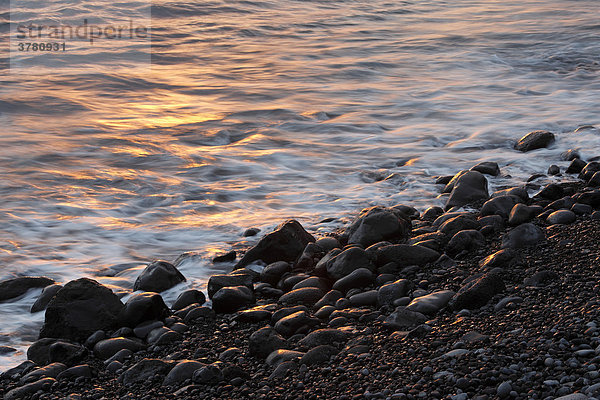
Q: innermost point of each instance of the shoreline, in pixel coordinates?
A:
(398, 305)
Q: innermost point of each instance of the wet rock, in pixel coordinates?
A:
(377, 224)
(290, 324)
(470, 188)
(576, 166)
(78, 371)
(431, 213)
(226, 257)
(146, 306)
(158, 276)
(187, 297)
(358, 278)
(524, 235)
(494, 222)
(284, 312)
(464, 241)
(431, 303)
(250, 232)
(458, 223)
(402, 318)
(590, 198)
(551, 192)
(500, 259)
(48, 371)
(308, 296)
(272, 273)
(279, 356)
(522, 213)
(500, 205)
(553, 170)
(534, 140)
(487, 167)
(286, 243)
(581, 209)
(108, 347)
(594, 181)
(231, 299)
(145, 371)
(569, 155)
(18, 371)
(565, 217)
(328, 243)
(348, 261)
(30, 389)
(404, 254)
(313, 281)
(310, 256)
(319, 355)
(66, 353)
(265, 341)
(390, 292)
(255, 314)
(328, 299)
(183, 371)
(589, 170)
(478, 292)
(519, 192)
(79, 309)
(16, 287)
(216, 282)
(47, 294)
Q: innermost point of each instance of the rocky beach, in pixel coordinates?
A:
(496, 295)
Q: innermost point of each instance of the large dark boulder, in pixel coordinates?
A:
(217, 282)
(477, 292)
(285, 243)
(230, 299)
(16, 287)
(378, 224)
(464, 241)
(348, 261)
(80, 308)
(470, 188)
(146, 306)
(534, 140)
(158, 276)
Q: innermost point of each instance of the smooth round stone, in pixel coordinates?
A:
(561, 217)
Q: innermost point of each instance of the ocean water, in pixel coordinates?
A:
(245, 113)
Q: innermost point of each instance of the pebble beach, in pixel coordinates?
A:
(494, 296)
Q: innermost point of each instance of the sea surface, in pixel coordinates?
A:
(243, 114)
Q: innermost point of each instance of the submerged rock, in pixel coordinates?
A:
(534, 140)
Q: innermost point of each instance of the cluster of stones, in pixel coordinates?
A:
(309, 292)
